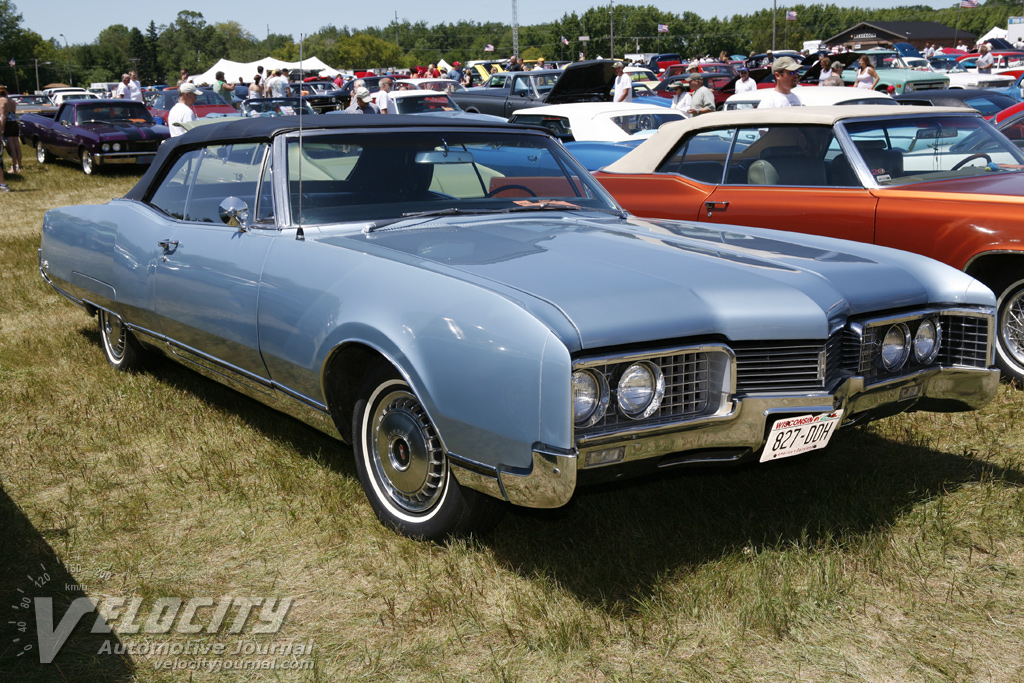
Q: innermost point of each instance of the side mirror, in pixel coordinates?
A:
(234, 212)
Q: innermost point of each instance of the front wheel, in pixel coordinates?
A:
(88, 163)
(120, 347)
(1010, 331)
(404, 470)
(42, 156)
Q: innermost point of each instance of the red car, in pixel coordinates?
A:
(207, 102)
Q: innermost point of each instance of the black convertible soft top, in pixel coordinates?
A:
(265, 128)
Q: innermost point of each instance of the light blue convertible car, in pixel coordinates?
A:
(470, 310)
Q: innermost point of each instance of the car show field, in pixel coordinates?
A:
(895, 553)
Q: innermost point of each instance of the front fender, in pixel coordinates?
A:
(493, 378)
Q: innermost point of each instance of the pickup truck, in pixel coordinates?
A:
(94, 133)
(509, 91)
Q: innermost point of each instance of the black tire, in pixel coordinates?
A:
(1010, 329)
(120, 347)
(42, 156)
(404, 470)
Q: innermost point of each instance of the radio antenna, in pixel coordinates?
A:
(301, 81)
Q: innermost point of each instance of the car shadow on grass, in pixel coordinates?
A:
(613, 543)
(30, 569)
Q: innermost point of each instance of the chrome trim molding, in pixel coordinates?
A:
(477, 476)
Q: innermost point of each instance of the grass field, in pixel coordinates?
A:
(896, 555)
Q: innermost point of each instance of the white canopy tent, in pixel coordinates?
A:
(996, 32)
(235, 70)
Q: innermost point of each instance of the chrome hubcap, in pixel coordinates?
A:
(113, 335)
(40, 153)
(406, 452)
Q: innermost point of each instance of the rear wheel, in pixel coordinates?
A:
(120, 347)
(404, 470)
(42, 156)
(1010, 330)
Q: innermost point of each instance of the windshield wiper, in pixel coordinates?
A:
(450, 211)
(558, 205)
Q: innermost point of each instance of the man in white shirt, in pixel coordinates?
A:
(134, 87)
(123, 91)
(985, 61)
(383, 98)
(182, 112)
(278, 84)
(623, 85)
(746, 83)
(785, 70)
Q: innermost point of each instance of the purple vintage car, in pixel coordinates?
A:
(94, 133)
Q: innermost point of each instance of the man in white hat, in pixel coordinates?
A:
(623, 87)
(362, 103)
(182, 112)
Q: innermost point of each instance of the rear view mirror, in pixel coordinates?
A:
(935, 133)
(444, 157)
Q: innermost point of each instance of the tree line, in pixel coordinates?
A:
(158, 53)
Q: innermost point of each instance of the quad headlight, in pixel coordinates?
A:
(117, 146)
(105, 146)
(640, 390)
(927, 341)
(895, 347)
(589, 397)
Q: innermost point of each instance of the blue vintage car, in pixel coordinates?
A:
(469, 309)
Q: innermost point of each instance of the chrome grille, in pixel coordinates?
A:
(773, 367)
(689, 378)
(964, 341)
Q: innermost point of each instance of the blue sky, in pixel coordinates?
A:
(81, 20)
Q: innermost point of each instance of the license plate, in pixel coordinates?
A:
(795, 435)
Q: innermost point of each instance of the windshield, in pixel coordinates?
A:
(121, 112)
(350, 177)
(921, 149)
(424, 105)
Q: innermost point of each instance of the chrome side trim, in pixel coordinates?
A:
(549, 483)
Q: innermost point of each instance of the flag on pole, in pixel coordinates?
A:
(791, 14)
(662, 28)
(969, 4)
(11, 62)
(565, 41)
(488, 48)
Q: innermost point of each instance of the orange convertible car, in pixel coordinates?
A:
(939, 182)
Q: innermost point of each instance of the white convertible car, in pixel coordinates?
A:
(597, 121)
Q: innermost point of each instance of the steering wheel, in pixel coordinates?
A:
(963, 162)
(509, 187)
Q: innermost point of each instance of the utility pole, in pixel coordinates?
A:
(775, 11)
(515, 27)
(37, 72)
(611, 30)
(396, 28)
(67, 49)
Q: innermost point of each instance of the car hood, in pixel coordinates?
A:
(123, 130)
(617, 283)
(584, 82)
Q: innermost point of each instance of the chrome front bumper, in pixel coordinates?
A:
(552, 479)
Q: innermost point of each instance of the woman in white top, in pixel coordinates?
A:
(867, 77)
(681, 98)
(255, 89)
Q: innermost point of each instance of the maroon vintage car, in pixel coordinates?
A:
(207, 102)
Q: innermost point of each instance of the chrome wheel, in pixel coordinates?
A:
(1010, 331)
(88, 164)
(41, 154)
(119, 346)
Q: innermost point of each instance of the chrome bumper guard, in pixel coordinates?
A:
(552, 479)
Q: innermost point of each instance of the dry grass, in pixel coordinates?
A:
(896, 555)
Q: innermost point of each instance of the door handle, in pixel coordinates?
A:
(715, 206)
(167, 244)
